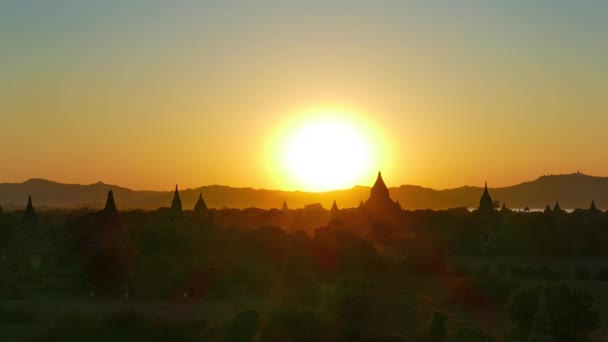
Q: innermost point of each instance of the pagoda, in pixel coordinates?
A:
(176, 205)
(334, 210)
(557, 208)
(110, 207)
(29, 214)
(200, 208)
(486, 204)
(380, 201)
(593, 209)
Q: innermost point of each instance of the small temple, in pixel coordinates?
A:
(593, 209)
(557, 208)
(30, 213)
(334, 210)
(110, 207)
(380, 201)
(176, 205)
(486, 204)
(200, 208)
(284, 206)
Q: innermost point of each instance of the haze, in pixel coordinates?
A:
(149, 94)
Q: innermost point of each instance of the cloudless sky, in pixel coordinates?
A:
(147, 94)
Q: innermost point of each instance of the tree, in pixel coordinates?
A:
(437, 330)
(570, 311)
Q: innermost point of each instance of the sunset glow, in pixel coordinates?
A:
(324, 150)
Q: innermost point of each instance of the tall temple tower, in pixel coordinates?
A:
(486, 204)
(110, 207)
(30, 213)
(176, 205)
(380, 201)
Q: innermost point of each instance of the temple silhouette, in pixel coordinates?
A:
(380, 202)
(110, 207)
(486, 204)
(30, 214)
(176, 204)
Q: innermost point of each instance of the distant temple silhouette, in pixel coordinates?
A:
(593, 209)
(380, 201)
(110, 207)
(334, 210)
(486, 204)
(284, 206)
(200, 208)
(176, 205)
(557, 208)
(30, 214)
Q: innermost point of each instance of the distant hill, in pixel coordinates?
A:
(572, 190)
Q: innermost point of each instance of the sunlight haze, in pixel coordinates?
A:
(443, 94)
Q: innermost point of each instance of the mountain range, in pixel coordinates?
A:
(572, 190)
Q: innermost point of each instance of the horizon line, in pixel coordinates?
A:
(296, 190)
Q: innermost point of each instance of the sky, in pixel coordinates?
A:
(146, 94)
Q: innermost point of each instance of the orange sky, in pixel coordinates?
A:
(146, 96)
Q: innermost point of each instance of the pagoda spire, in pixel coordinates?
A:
(110, 207)
(593, 208)
(200, 207)
(176, 205)
(557, 208)
(486, 204)
(380, 202)
(284, 206)
(334, 209)
(30, 213)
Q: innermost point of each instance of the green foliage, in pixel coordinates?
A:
(471, 335)
(158, 276)
(11, 316)
(570, 310)
(485, 289)
(120, 326)
(243, 327)
(602, 274)
(437, 330)
(581, 273)
(10, 288)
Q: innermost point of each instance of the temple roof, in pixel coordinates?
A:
(200, 205)
(557, 207)
(176, 205)
(380, 201)
(593, 207)
(379, 184)
(110, 207)
(485, 202)
(30, 214)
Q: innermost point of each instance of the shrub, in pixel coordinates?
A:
(570, 310)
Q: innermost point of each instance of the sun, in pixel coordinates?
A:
(326, 149)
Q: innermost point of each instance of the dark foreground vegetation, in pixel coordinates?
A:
(303, 275)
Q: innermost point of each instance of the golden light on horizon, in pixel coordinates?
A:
(326, 149)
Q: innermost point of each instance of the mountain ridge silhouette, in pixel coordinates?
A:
(572, 190)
